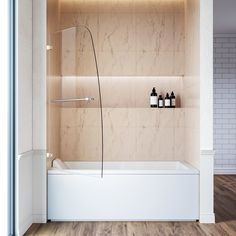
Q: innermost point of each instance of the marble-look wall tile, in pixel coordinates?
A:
(82, 117)
(113, 63)
(131, 37)
(179, 33)
(166, 144)
(121, 142)
(116, 6)
(122, 117)
(158, 6)
(179, 121)
(85, 64)
(178, 66)
(69, 20)
(121, 6)
(68, 61)
(81, 144)
(155, 32)
(192, 146)
(179, 143)
(116, 32)
(79, 6)
(154, 63)
(130, 134)
(146, 118)
(135, 42)
(148, 143)
(166, 118)
(118, 92)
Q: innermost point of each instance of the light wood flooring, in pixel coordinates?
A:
(225, 210)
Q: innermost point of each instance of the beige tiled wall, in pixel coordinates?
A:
(132, 38)
(140, 45)
(129, 134)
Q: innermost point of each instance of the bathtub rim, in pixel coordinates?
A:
(189, 169)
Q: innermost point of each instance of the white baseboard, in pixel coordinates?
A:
(207, 218)
(39, 218)
(24, 226)
(225, 171)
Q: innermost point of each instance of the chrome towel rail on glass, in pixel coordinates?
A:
(73, 100)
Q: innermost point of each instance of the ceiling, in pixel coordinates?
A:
(225, 16)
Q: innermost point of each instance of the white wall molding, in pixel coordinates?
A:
(25, 154)
(207, 218)
(39, 187)
(25, 226)
(207, 187)
(39, 218)
(40, 152)
(31, 113)
(39, 74)
(207, 154)
(24, 193)
(225, 171)
(225, 35)
(206, 113)
(31, 189)
(5, 117)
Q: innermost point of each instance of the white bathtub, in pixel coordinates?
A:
(128, 191)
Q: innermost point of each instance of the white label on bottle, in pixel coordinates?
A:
(173, 102)
(167, 102)
(153, 100)
(161, 103)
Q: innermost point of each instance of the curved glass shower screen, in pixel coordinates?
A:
(75, 96)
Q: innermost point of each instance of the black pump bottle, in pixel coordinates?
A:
(153, 98)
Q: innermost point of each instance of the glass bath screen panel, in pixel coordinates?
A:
(80, 103)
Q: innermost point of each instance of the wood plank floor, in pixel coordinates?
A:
(225, 209)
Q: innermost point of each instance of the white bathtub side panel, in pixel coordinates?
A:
(124, 197)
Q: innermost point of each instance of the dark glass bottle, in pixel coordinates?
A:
(153, 98)
(160, 102)
(172, 100)
(167, 101)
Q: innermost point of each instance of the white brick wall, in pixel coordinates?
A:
(225, 102)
